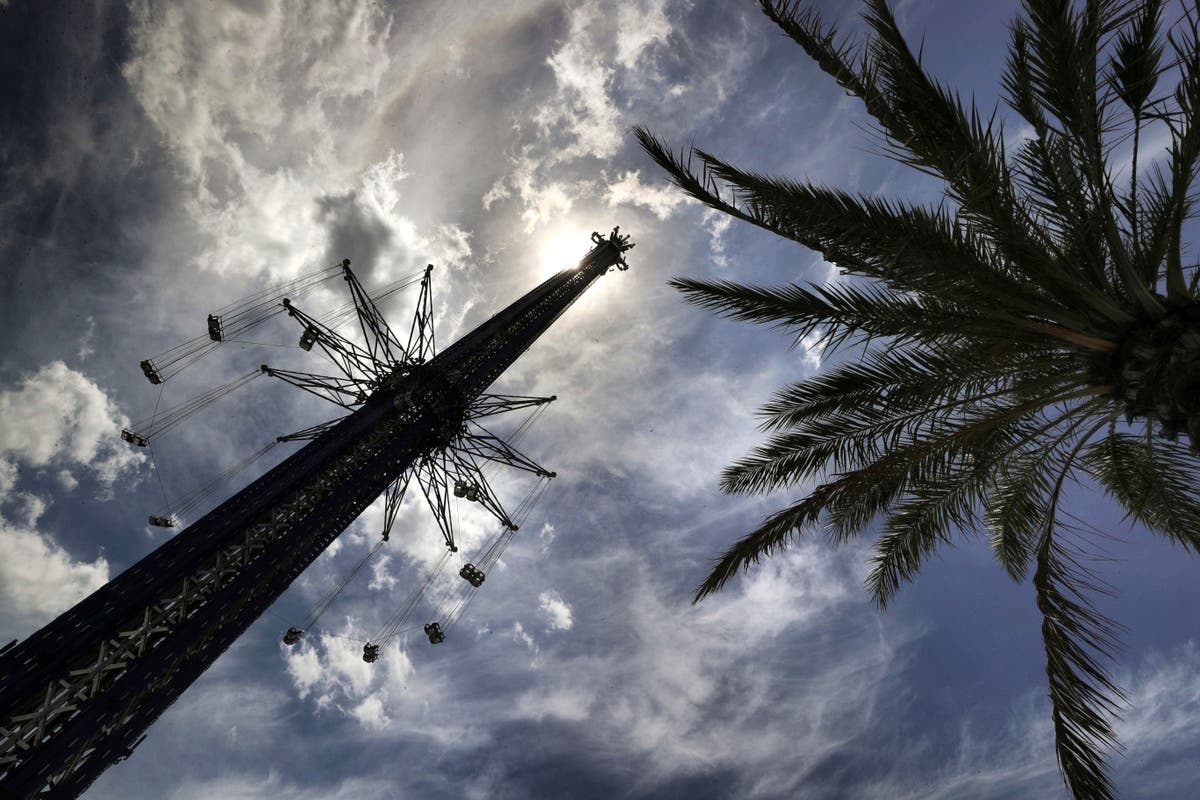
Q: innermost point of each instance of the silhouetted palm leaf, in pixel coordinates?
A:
(1004, 333)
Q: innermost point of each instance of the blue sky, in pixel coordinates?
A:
(160, 160)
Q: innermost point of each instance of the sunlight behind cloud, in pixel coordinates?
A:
(561, 248)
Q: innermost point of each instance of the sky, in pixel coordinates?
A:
(161, 160)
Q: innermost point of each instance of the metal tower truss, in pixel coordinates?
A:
(453, 469)
(78, 695)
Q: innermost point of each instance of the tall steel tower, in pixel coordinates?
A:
(78, 695)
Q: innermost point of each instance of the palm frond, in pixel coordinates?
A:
(1136, 63)
(774, 534)
(1150, 478)
(1077, 639)
(1083, 698)
(840, 312)
(1003, 328)
(904, 378)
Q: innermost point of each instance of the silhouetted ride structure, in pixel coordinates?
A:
(78, 695)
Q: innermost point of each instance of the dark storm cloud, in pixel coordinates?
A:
(351, 228)
(76, 183)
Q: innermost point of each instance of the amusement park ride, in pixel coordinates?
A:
(78, 695)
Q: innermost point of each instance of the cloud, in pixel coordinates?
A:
(555, 611)
(640, 26)
(717, 224)
(592, 66)
(547, 535)
(254, 127)
(519, 635)
(370, 713)
(654, 694)
(381, 578)
(86, 348)
(582, 112)
(813, 349)
(1158, 728)
(1016, 758)
(662, 199)
(56, 420)
(39, 579)
(499, 191)
(59, 417)
(254, 787)
(329, 669)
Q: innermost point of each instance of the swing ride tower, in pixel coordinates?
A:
(78, 695)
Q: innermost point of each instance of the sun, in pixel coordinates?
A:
(561, 248)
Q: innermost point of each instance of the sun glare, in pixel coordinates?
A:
(562, 247)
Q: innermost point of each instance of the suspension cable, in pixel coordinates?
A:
(161, 423)
(451, 608)
(235, 318)
(347, 311)
(326, 600)
(301, 284)
(190, 501)
(491, 468)
(392, 626)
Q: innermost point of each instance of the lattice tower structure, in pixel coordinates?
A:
(78, 695)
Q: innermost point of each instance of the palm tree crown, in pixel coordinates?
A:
(1037, 325)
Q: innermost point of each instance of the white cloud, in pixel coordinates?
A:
(544, 200)
(370, 713)
(381, 577)
(555, 611)
(253, 126)
(330, 670)
(583, 110)
(58, 416)
(813, 349)
(717, 224)
(304, 667)
(379, 183)
(255, 787)
(547, 535)
(640, 26)
(39, 579)
(85, 349)
(65, 479)
(650, 693)
(582, 120)
(499, 191)
(661, 198)
(1016, 759)
(8, 477)
(519, 635)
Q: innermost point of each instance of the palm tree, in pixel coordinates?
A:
(1037, 325)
